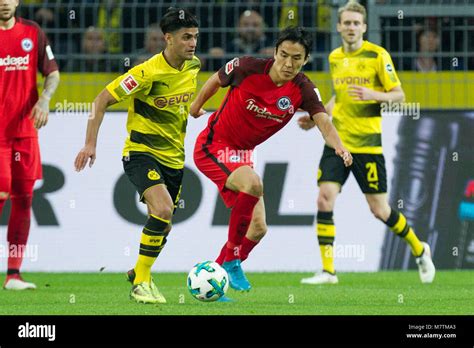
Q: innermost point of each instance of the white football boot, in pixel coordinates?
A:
(426, 267)
(18, 284)
(321, 278)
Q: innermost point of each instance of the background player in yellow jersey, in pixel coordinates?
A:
(160, 92)
(363, 76)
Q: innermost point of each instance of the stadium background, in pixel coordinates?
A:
(429, 159)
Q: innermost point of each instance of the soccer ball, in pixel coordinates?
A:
(208, 281)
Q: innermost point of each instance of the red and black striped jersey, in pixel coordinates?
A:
(255, 108)
(24, 51)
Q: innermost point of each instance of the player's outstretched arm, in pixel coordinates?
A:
(40, 111)
(101, 102)
(207, 91)
(305, 122)
(331, 136)
(330, 105)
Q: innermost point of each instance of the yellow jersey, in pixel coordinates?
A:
(160, 97)
(359, 123)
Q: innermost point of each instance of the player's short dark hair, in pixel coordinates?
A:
(296, 34)
(177, 18)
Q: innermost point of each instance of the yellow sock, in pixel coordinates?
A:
(326, 232)
(398, 224)
(143, 269)
(152, 242)
(327, 258)
(414, 242)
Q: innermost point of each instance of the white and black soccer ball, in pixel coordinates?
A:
(208, 281)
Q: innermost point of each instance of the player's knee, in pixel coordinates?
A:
(162, 211)
(254, 186)
(325, 203)
(4, 195)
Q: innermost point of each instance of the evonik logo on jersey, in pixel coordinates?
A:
(352, 80)
(15, 63)
(263, 112)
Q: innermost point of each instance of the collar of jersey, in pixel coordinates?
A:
(167, 63)
(355, 53)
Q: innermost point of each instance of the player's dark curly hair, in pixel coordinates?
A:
(296, 34)
(177, 18)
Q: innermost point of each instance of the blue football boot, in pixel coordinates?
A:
(225, 299)
(237, 279)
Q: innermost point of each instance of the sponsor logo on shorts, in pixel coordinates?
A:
(229, 155)
(234, 159)
(153, 175)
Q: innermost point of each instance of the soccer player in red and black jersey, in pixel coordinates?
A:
(263, 97)
(24, 50)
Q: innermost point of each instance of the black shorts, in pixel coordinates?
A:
(144, 172)
(368, 169)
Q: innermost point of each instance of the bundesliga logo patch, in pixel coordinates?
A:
(129, 84)
(229, 67)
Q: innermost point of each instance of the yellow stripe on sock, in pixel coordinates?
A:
(151, 240)
(327, 257)
(326, 230)
(400, 225)
(158, 218)
(414, 242)
(144, 262)
(143, 269)
(327, 254)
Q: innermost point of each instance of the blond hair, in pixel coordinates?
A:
(352, 6)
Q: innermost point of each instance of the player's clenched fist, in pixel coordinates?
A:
(345, 155)
(87, 152)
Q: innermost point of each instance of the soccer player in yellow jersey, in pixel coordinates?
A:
(160, 92)
(363, 76)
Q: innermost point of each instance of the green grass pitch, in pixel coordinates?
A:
(381, 293)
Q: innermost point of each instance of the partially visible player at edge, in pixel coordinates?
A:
(363, 76)
(160, 91)
(24, 50)
(263, 97)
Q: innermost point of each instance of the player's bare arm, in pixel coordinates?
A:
(208, 90)
(331, 137)
(101, 102)
(306, 123)
(40, 111)
(330, 105)
(360, 93)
